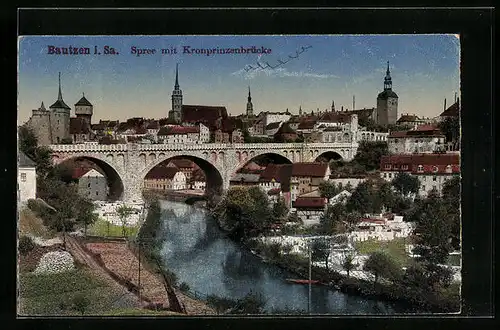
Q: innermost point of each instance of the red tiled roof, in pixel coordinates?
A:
(171, 130)
(78, 126)
(372, 220)
(208, 115)
(153, 125)
(407, 118)
(430, 163)
(285, 129)
(397, 134)
(309, 169)
(270, 172)
(310, 202)
(162, 172)
(273, 125)
(78, 172)
(306, 124)
(182, 163)
(426, 127)
(335, 117)
(274, 191)
(452, 111)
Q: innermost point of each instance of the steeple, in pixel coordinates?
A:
(176, 86)
(249, 104)
(333, 106)
(42, 107)
(300, 110)
(59, 96)
(388, 79)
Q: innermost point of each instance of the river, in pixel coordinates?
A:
(210, 263)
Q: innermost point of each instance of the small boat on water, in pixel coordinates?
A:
(296, 281)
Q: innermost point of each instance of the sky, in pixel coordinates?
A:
(308, 71)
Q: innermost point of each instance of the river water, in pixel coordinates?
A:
(210, 263)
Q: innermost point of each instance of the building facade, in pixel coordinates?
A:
(422, 139)
(387, 103)
(26, 178)
(432, 170)
(93, 185)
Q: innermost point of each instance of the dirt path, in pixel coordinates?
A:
(81, 256)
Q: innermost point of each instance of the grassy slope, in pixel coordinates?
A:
(395, 248)
(29, 223)
(100, 228)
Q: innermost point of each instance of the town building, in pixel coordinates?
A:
(249, 112)
(422, 139)
(183, 134)
(80, 130)
(165, 178)
(185, 166)
(51, 126)
(381, 228)
(275, 181)
(93, 185)
(244, 179)
(387, 103)
(307, 177)
(410, 121)
(84, 110)
(285, 134)
(347, 180)
(198, 179)
(432, 170)
(453, 111)
(309, 209)
(26, 179)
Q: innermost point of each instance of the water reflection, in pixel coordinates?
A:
(210, 263)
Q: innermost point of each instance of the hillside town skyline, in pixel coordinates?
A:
(424, 73)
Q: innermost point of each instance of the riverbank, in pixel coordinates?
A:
(422, 302)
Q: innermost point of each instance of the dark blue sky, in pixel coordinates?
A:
(424, 69)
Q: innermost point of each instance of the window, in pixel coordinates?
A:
(434, 178)
(435, 169)
(390, 175)
(385, 175)
(23, 177)
(97, 193)
(420, 168)
(88, 185)
(404, 167)
(395, 140)
(387, 166)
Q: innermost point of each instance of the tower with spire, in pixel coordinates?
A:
(176, 113)
(333, 106)
(249, 104)
(300, 110)
(59, 118)
(84, 109)
(387, 102)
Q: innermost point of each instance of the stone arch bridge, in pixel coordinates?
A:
(126, 165)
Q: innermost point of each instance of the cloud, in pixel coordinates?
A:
(281, 72)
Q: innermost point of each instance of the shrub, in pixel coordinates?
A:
(80, 303)
(184, 287)
(26, 245)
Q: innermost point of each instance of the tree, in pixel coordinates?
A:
(124, 212)
(86, 213)
(320, 251)
(28, 141)
(332, 219)
(81, 303)
(382, 265)
(369, 154)
(26, 245)
(450, 127)
(66, 141)
(279, 210)
(348, 264)
(361, 199)
(451, 198)
(406, 184)
(386, 196)
(328, 190)
(352, 218)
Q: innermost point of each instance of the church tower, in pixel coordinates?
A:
(84, 109)
(249, 104)
(59, 118)
(300, 111)
(387, 102)
(175, 113)
(333, 106)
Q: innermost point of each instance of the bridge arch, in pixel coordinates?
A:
(327, 156)
(113, 178)
(272, 157)
(214, 178)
